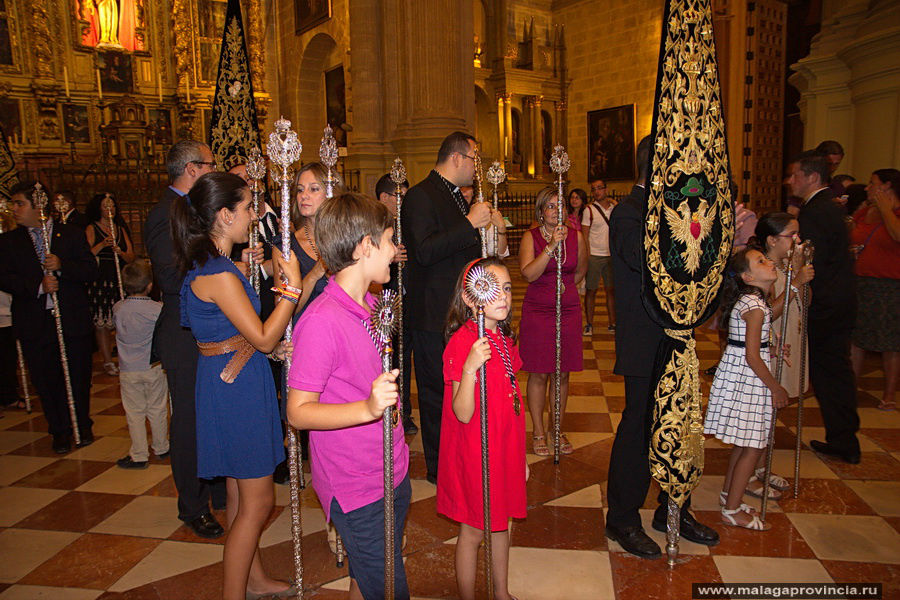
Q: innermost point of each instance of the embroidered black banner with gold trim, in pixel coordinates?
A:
(8, 175)
(233, 129)
(688, 234)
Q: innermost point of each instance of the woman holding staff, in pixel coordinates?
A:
(110, 242)
(537, 329)
(238, 429)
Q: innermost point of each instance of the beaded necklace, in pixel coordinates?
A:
(506, 356)
(309, 239)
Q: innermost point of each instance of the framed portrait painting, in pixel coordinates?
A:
(611, 143)
(76, 124)
(309, 13)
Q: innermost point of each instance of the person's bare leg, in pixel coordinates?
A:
(500, 562)
(739, 477)
(467, 560)
(536, 395)
(590, 302)
(563, 398)
(610, 304)
(254, 499)
(891, 361)
(732, 460)
(857, 357)
(102, 335)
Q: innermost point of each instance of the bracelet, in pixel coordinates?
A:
(291, 288)
(291, 299)
(794, 289)
(548, 251)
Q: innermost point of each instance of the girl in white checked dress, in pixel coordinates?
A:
(740, 401)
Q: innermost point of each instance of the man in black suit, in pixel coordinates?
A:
(65, 209)
(441, 235)
(637, 339)
(69, 265)
(186, 162)
(832, 310)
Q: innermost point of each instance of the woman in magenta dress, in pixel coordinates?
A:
(537, 330)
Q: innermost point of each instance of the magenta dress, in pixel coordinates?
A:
(537, 330)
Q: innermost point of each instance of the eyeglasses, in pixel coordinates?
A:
(212, 165)
(467, 156)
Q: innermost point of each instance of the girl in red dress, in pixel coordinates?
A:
(459, 491)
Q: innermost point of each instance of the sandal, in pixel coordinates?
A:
(565, 447)
(886, 405)
(774, 493)
(755, 523)
(539, 445)
(111, 369)
(775, 481)
(723, 500)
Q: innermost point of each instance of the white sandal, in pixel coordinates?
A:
(755, 523)
(111, 369)
(776, 481)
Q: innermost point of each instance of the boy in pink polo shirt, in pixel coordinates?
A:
(339, 393)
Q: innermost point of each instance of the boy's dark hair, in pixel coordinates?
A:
(341, 224)
(193, 217)
(811, 162)
(459, 312)
(830, 147)
(386, 186)
(26, 188)
(458, 141)
(136, 276)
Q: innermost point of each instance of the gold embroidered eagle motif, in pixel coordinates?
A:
(690, 229)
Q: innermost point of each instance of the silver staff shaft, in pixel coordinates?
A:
(401, 385)
(673, 531)
(23, 377)
(804, 318)
(496, 229)
(779, 370)
(387, 448)
(254, 238)
(63, 355)
(115, 246)
(557, 395)
(485, 464)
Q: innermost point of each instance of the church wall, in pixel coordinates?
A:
(612, 61)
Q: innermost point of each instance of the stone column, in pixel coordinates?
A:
(536, 137)
(507, 119)
(432, 75)
(501, 128)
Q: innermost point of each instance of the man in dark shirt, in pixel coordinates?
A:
(440, 231)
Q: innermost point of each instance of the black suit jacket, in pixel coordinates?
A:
(21, 275)
(174, 344)
(637, 335)
(77, 218)
(439, 242)
(834, 286)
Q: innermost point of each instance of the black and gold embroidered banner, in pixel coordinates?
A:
(688, 234)
(8, 175)
(233, 129)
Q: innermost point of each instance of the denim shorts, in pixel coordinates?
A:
(362, 531)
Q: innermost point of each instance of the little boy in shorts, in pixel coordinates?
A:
(339, 393)
(142, 380)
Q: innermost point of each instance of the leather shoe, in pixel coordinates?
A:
(206, 526)
(634, 541)
(87, 439)
(829, 450)
(690, 528)
(62, 443)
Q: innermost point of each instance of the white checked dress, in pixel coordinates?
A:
(740, 404)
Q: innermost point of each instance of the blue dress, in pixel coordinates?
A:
(238, 428)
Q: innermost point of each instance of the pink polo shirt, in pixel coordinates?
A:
(335, 357)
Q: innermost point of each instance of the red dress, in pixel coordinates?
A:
(459, 492)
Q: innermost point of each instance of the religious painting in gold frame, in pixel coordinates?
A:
(611, 143)
(310, 13)
(76, 124)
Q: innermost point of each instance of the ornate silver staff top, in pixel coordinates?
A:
(495, 174)
(384, 315)
(256, 165)
(398, 172)
(39, 200)
(559, 162)
(328, 154)
(481, 286)
(284, 146)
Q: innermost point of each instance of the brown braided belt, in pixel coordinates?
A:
(242, 353)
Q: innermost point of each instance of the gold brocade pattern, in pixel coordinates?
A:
(8, 176)
(688, 232)
(233, 131)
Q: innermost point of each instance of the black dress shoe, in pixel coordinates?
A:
(829, 450)
(86, 440)
(690, 529)
(206, 526)
(128, 463)
(62, 443)
(409, 426)
(634, 541)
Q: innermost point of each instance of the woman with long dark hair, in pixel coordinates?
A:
(104, 291)
(238, 425)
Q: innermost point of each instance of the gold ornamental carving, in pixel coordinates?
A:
(255, 47)
(181, 23)
(40, 40)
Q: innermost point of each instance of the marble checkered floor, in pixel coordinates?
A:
(78, 528)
